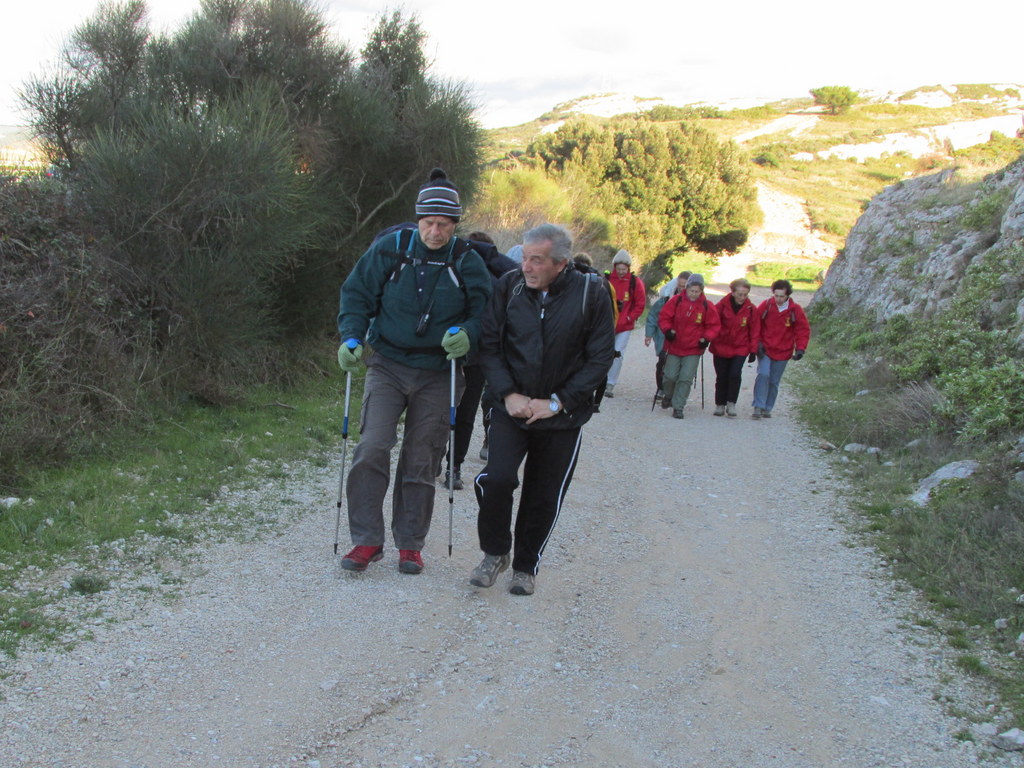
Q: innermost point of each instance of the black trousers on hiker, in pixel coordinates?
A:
(728, 378)
(551, 457)
(465, 414)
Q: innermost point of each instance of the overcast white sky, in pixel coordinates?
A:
(522, 58)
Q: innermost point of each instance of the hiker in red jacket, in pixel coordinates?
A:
(736, 343)
(690, 322)
(631, 299)
(785, 334)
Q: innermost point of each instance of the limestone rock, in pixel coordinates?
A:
(956, 470)
(909, 251)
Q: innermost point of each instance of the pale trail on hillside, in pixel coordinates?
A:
(785, 235)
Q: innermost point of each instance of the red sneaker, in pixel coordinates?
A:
(361, 556)
(410, 561)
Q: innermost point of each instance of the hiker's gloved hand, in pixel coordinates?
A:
(751, 357)
(798, 354)
(760, 349)
(456, 343)
(703, 344)
(349, 355)
(670, 334)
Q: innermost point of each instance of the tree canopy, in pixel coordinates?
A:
(838, 98)
(251, 139)
(663, 189)
(228, 173)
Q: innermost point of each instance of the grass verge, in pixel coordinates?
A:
(961, 551)
(162, 485)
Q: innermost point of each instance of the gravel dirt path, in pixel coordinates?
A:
(699, 605)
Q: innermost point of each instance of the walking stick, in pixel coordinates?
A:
(344, 456)
(655, 401)
(451, 457)
(702, 380)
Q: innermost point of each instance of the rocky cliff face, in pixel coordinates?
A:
(913, 245)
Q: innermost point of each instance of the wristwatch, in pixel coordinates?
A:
(554, 403)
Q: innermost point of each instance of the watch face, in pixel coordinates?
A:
(553, 406)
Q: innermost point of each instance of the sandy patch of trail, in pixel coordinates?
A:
(784, 236)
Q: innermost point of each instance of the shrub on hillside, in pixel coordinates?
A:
(664, 188)
(68, 334)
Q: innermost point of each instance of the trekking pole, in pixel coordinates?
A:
(344, 455)
(655, 401)
(451, 457)
(702, 380)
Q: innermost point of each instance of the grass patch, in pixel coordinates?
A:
(162, 482)
(961, 552)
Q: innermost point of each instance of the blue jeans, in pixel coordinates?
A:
(766, 385)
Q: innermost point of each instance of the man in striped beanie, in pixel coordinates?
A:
(416, 299)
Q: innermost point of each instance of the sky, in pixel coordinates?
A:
(520, 59)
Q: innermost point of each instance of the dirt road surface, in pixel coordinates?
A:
(700, 604)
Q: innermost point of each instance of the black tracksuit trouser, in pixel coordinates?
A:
(551, 457)
(728, 378)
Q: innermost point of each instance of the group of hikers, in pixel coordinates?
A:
(533, 338)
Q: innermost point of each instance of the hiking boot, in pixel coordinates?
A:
(666, 402)
(361, 556)
(765, 413)
(410, 561)
(483, 450)
(677, 413)
(485, 574)
(609, 391)
(522, 583)
(457, 484)
(730, 409)
(756, 414)
(719, 410)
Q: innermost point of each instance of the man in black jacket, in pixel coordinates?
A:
(547, 343)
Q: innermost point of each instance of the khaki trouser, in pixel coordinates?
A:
(679, 373)
(390, 390)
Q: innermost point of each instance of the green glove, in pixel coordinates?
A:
(456, 343)
(349, 355)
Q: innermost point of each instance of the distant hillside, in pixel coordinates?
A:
(834, 163)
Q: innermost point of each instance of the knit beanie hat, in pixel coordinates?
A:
(438, 197)
(622, 257)
(695, 279)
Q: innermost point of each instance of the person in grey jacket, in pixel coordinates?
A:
(548, 342)
(653, 333)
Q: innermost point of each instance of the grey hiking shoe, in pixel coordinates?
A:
(765, 413)
(719, 410)
(485, 574)
(677, 413)
(730, 409)
(756, 414)
(522, 583)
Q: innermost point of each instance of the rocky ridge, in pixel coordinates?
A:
(909, 251)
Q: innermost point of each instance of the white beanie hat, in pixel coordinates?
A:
(622, 257)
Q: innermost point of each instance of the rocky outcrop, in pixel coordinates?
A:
(912, 246)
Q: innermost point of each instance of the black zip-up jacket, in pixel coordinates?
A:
(561, 344)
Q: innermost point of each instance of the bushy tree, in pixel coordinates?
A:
(224, 177)
(838, 98)
(239, 164)
(663, 188)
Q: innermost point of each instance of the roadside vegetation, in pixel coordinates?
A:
(929, 392)
(151, 490)
(214, 186)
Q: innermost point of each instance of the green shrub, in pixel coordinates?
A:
(987, 211)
